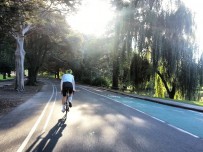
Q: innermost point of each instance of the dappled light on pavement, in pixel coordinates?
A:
(90, 129)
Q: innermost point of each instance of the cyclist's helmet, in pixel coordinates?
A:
(69, 71)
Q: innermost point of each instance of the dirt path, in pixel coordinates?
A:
(10, 98)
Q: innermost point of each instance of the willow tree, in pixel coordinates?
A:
(129, 26)
(140, 71)
(172, 46)
(164, 32)
(122, 42)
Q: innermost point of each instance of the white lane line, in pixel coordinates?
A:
(144, 113)
(51, 111)
(117, 102)
(178, 111)
(183, 131)
(196, 113)
(160, 108)
(20, 149)
(158, 119)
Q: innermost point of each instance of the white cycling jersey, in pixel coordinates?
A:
(68, 78)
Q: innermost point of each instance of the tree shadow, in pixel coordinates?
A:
(48, 142)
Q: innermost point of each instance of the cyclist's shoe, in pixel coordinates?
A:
(70, 104)
(63, 108)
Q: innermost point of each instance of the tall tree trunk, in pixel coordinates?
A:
(32, 76)
(19, 63)
(4, 75)
(171, 93)
(20, 57)
(115, 74)
(9, 74)
(115, 59)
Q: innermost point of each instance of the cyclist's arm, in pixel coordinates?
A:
(73, 82)
(61, 83)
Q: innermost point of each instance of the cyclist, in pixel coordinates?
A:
(67, 86)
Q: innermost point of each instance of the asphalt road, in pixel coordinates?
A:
(95, 123)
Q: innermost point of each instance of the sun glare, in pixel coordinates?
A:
(92, 17)
(196, 6)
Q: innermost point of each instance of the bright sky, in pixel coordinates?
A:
(196, 6)
(92, 18)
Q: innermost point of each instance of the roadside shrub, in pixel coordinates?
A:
(100, 81)
(86, 80)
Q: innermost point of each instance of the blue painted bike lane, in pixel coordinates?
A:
(187, 121)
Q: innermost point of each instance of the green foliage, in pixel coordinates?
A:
(189, 79)
(100, 81)
(178, 95)
(200, 70)
(159, 87)
(86, 80)
(1, 77)
(7, 60)
(95, 60)
(140, 70)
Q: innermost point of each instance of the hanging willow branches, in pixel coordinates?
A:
(163, 32)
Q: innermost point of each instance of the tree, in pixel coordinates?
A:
(50, 37)
(64, 54)
(6, 56)
(96, 61)
(163, 31)
(172, 46)
(140, 70)
(23, 15)
(37, 45)
(128, 25)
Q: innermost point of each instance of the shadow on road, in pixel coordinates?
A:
(48, 142)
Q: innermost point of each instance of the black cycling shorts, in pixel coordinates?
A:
(67, 88)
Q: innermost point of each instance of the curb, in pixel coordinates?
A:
(160, 101)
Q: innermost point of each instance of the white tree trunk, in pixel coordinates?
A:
(19, 58)
(19, 63)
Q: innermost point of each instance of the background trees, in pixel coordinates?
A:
(6, 56)
(21, 16)
(95, 64)
(151, 45)
(162, 35)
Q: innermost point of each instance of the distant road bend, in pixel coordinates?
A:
(99, 121)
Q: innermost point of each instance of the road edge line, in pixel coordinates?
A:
(179, 129)
(20, 149)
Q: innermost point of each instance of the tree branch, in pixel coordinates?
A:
(164, 81)
(26, 29)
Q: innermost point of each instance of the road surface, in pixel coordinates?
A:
(97, 122)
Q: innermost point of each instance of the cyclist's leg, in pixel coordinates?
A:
(63, 103)
(67, 100)
(70, 97)
(64, 92)
(64, 97)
